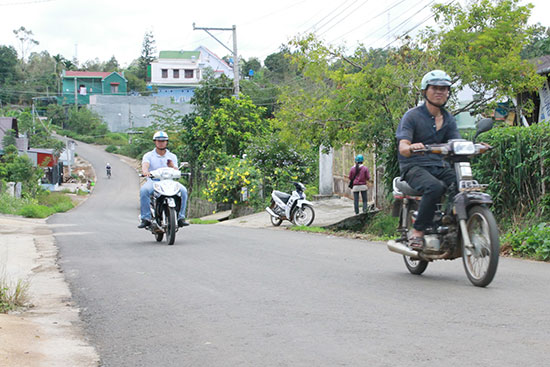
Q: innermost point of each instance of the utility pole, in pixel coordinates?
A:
(234, 52)
(75, 95)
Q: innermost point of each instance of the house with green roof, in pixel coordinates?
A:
(80, 85)
(177, 73)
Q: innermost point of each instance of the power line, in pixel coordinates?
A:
(341, 20)
(369, 20)
(336, 15)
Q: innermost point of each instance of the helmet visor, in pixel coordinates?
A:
(439, 82)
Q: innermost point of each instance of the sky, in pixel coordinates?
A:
(101, 29)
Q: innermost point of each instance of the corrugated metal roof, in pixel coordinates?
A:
(179, 54)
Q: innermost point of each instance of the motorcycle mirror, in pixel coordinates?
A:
(483, 125)
(184, 164)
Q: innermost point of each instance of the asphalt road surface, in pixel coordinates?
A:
(231, 296)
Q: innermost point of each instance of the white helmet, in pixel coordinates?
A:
(160, 135)
(435, 77)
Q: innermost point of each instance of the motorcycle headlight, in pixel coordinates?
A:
(464, 148)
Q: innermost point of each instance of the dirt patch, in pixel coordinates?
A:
(48, 332)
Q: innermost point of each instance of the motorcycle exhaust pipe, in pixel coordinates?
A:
(271, 212)
(402, 249)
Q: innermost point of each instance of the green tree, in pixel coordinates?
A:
(148, 51)
(252, 64)
(111, 65)
(231, 127)
(539, 44)
(86, 122)
(19, 168)
(9, 138)
(211, 91)
(8, 73)
(8, 61)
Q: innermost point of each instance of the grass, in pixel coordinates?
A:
(312, 229)
(202, 221)
(45, 204)
(12, 297)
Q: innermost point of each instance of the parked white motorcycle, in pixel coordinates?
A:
(165, 203)
(294, 207)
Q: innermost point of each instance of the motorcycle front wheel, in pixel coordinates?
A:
(481, 261)
(303, 216)
(415, 266)
(276, 221)
(170, 223)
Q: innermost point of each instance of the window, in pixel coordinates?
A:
(176, 73)
(82, 90)
(114, 87)
(164, 73)
(188, 73)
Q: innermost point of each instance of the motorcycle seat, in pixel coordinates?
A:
(281, 195)
(404, 187)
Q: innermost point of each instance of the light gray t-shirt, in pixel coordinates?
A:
(156, 160)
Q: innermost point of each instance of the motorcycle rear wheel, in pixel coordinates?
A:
(303, 216)
(415, 266)
(481, 262)
(170, 222)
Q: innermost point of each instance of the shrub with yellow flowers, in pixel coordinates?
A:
(229, 181)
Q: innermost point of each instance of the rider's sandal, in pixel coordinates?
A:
(416, 243)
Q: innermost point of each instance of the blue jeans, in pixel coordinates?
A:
(145, 200)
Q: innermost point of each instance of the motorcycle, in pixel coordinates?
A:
(294, 207)
(165, 203)
(108, 172)
(465, 228)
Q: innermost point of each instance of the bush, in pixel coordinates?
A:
(531, 242)
(36, 211)
(111, 149)
(522, 155)
(228, 182)
(382, 225)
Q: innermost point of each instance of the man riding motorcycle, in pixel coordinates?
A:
(429, 174)
(158, 158)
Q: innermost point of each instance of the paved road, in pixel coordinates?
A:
(234, 296)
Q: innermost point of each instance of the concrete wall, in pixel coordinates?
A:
(122, 113)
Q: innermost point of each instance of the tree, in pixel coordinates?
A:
(111, 65)
(8, 61)
(148, 52)
(363, 102)
(231, 127)
(252, 64)
(539, 44)
(8, 73)
(27, 42)
(9, 138)
(211, 91)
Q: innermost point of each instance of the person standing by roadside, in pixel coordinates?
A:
(358, 177)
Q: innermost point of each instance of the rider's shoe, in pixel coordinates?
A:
(144, 223)
(182, 222)
(416, 243)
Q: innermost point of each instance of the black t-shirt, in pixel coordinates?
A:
(418, 126)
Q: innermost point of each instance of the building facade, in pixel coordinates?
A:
(176, 74)
(80, 85)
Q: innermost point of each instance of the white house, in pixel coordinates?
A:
(177, 73)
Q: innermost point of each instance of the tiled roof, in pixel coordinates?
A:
(89, 74)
